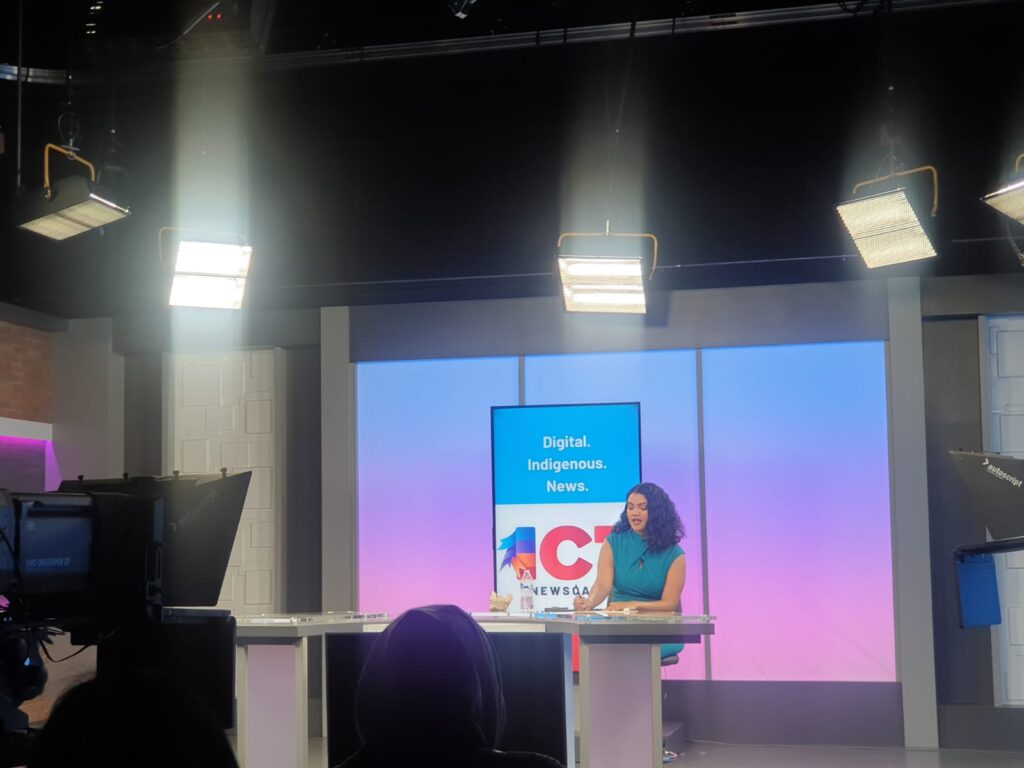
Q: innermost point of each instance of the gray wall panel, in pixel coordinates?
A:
(776, 314)
(982, 727)
(909, 493)
(339, 525)
(302, 504)
(738, 712)
(303, 500)
(963, 658)
(972, 295)
(213, 329)
(88, 401)
(143, 414)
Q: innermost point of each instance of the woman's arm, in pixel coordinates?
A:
(603, 585)
(670, 595)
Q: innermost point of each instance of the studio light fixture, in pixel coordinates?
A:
(1009, 200)
(460, 8)
(208, 274)
(884, 227)
(606, 283)
(70, 206)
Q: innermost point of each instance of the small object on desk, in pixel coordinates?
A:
(559, 609)
(526, 591)
(500, 603)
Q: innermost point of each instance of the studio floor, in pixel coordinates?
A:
(704, 755)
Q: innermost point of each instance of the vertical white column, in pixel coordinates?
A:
(571, 705)
(273, 719)
(620, 705)
(909, 493)
(323, 698)
(340, 587)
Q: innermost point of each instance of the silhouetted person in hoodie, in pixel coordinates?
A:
(430, 691)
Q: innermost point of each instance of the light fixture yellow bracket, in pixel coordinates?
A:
(645, 235)
(69, 154)
(922, 169)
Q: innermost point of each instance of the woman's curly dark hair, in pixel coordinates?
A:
(664, 528)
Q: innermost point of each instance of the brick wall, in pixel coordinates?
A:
(26, 378)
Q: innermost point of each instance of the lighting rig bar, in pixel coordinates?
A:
(484, 43)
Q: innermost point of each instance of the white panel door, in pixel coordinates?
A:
(1003, 360)
(226, 410)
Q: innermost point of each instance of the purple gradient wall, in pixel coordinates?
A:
(799, 533)
(797, 478)
(425, 503)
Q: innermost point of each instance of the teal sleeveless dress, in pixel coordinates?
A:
(640, 575)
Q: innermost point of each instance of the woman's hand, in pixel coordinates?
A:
(624, 606)
(580, 604)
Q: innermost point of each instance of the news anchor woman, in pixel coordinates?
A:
(641, 566)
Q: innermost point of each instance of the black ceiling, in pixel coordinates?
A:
(432, 177)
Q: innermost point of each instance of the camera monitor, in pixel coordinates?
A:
(76, 558)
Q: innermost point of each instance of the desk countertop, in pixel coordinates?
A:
(591, 626)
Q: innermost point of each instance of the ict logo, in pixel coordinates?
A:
(521, 550)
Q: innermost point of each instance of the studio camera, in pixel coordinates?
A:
(127, 565)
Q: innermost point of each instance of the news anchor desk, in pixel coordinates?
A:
(620, 675)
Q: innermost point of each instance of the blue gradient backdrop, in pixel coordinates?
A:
(425, 505)
(799, 533)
